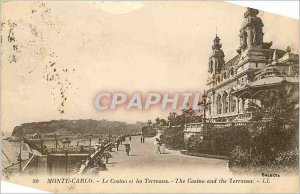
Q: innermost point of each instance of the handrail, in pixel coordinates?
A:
(91, 159)
(232, 123)
(27, 164)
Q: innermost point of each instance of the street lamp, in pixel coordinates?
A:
(66, 142)
(204, 98)
(203, 103)
(90, 140)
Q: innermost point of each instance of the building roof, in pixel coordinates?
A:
(231, 62)
(263, 84)
(274, 80)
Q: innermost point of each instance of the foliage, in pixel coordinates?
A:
(160, 122)
(269, 140)
(283, 161)
(239, 157)
(287, 158)
(218, 141)
(78, 127)
(194, 144)
(149, 131)
(188, 115)
(173, 137)
(276, 126)
(273, 133)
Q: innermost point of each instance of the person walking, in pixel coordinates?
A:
(106, 156)
(127, 148)
(119, 140)
(129, 138)
(117, 145)
(157, 143)
(141, 139)
(163, 148)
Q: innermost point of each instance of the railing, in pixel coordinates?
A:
(92, 158)
(233, 116)
(247, 115)
(193, 125)
(197, 127)
(28, 163)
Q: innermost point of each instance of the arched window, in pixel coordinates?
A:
(233, 104)
(210, 66)
(219, 104)
(225, 102)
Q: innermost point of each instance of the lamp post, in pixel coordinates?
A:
(20, 154)
(204, 98)
(66, 142)
(203, 103)
(90, 140)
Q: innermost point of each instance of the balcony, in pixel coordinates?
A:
(198, 127)
(193, 127)
(224, 120)
(228, 117)
(245, 116)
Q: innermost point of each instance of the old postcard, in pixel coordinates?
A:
(149, 97)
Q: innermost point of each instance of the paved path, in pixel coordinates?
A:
(143, 157)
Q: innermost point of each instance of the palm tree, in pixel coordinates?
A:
(172, 118)
(157, 121)
(274, 123)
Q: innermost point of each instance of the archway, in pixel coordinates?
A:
(219, 104)
(225, 102)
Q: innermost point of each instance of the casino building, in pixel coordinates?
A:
(257, 67)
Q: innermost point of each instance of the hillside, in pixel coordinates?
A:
(73, 127)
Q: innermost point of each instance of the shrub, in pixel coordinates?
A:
(194, 143)
(219, 141)
(149, 131)
(287, 158)
(173, 137)
(239, 157)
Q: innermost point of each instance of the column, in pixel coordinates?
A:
(229, 103)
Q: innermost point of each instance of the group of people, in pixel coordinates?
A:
(103, 148)
(115, 143)
(120, 140)
(142, 139)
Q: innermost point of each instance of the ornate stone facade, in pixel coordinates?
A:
(229, 83)
(257, 67)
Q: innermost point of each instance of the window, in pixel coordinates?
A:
(233, 104)
(225, 102)
(219, 104)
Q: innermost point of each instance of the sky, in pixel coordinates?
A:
(57, 56)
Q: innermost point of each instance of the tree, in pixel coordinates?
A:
(172, 118)
(149, 122)
(275, 126)
(163, 122)
(157, 121)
